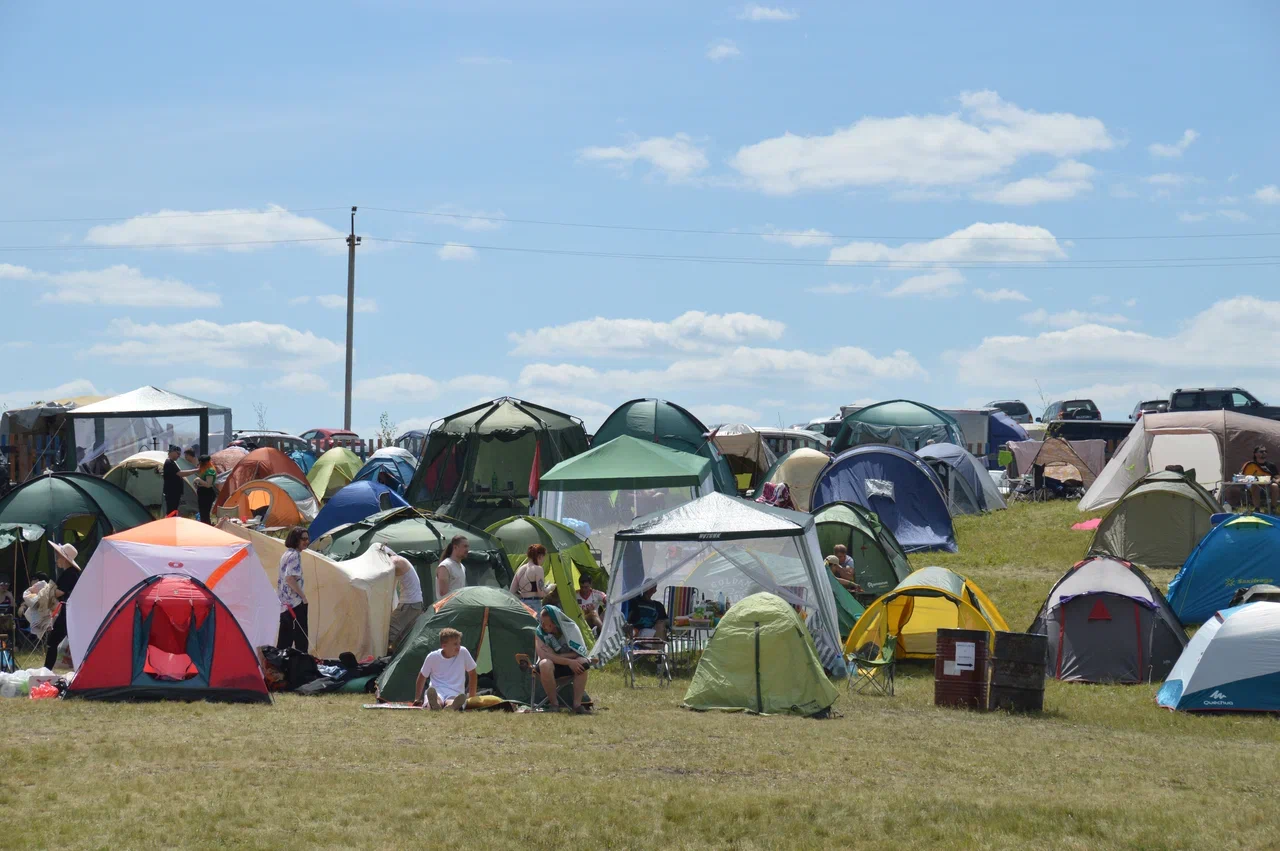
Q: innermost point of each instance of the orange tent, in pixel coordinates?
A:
(258, 464)
(268, 501)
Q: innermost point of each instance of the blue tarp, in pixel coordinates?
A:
(353, 503)
(399, 469)
(899, 487)
(1239, 553)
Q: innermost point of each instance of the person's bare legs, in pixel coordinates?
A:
(547, 675)
(579, 688)
(660, 630)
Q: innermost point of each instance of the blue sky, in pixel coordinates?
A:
(902, 203)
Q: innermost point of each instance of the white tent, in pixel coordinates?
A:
(1231, 664)
(174, 545)
(350, 602)
(799, 470)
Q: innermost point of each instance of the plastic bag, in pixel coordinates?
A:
(15, 684)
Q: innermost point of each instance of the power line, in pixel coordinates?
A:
(90, 247)
(932, 265)
(213, 213)
(803, 234)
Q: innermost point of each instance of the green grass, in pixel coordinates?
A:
(1103, 767)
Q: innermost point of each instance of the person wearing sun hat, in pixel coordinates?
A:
(68, 574)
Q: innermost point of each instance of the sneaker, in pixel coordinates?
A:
(582, 710)
(460, 702)
(433, 699)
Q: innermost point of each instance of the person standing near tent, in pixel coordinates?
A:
(293, 620)
(173, 476)
(452, 673)
(561, 653)
(68, 575)
(529, 583)
(206, 488)
(1259, 466)
(450, 574)
(409, 590)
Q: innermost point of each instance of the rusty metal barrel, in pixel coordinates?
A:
(960, 668)
(1017, 672)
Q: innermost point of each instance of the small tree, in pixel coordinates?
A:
(386, 429)
(261, 410)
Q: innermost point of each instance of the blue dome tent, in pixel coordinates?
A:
(397, 468)
(354, 503)
(1243, 551)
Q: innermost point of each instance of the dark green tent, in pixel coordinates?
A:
(899, 422)
(478, 463)
(21, 545)
(879, 563)
(495, 626)
(421, 538)
(72, 508)
(660, 421)
(848, 609)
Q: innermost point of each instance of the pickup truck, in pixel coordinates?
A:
(1220, 399)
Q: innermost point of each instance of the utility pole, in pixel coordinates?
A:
(352, 242)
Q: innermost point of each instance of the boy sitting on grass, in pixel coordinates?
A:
(452, 673)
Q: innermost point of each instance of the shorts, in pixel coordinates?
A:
(562, 671)
(649, 632)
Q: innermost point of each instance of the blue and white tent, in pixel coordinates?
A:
(966, 484)
(1232, 664)
(899, 487)
(397, 468)
(352, 504)
(1239, 553)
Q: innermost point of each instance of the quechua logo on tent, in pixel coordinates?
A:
(1217, 698)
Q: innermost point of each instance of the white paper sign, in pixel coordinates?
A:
(964, 655)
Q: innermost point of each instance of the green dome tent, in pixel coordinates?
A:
(879, 563)
(421, 538)
(900, 422)
(761, 659)
(660, 421)
(495, 626)
(333, 471)
(1158, 522)
(140, 475)
(479, 464)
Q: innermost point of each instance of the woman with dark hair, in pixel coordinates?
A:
(293, 620)
(1259, 466)
(206, 488)
(450, 574)
(530, 580)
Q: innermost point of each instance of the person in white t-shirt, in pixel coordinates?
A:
(591, 602)
(450, 574)
(451, 671)
(409, 607)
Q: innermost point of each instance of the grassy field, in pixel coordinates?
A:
(1103, 767)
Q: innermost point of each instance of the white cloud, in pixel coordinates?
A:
(484, 60)
(1071, 318)
(690, 332)
(1167, 179)
(1229, 215)
(339, 302)
(1234, 215)
(486, 385)
(187, 228)
(798, 239)
(1131, 302)
(455, 251)
(298, 301)
(756, 13)
(208, 389)
(1067, 180)
(415, 424)
(1269, 194)
(1000, 295)
(997, 242)
(722, 49)
(940, 284)
(986, 138)
(839, 289)
(1176, 149)
(239, 345)
(114, 286)
(717, 414)
(299, 382)
(676, 157)
(473, 220)
(23, 398)
(398, 387)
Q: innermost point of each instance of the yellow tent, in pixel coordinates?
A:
(928, 600)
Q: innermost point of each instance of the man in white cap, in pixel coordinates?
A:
(68, 575)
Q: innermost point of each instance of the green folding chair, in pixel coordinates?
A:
(871, 668)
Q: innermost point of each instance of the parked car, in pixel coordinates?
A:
(1072, 409)
(325, 439)
(782, 440)
(828, 427)
(259, 438)
(1154, 406)
(1220, 399)
(1014, 409)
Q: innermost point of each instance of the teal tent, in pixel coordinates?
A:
(660, 421)
(900, 422)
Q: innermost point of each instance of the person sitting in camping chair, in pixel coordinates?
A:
(648, 617)
(1260, 467)
(591, 602)
(561, 654)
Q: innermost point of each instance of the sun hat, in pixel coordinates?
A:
(833, 561)
(67, 551)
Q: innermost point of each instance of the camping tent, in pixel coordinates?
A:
(968, 488)
(761, 659)
(39, 436)
(1001, 430)
(333, 471)
(1240, 552)
(660, 421)
(1064, 460)
(495, 627)
(258, 464)
(749, 457)
(21, 546)
(848, 609)
(396, 452)
(723, 545)
(304, 458)
(900, 422)
(568, 556)
(225, 460)
(226, 564)
(1215, 444)
(879, 563)
(421, 538)
(928, 600)
(482, 464)
(349, 602)
(392, 470)
(1158, 522)
(610, 485)
(72, 508)
(142, 477)
(149, 418)
(1232, 663)
(899, 487)
(799, 470)
(1107, 623)
(170, 637)
(356, 501)
(274, 507)
(300, 492)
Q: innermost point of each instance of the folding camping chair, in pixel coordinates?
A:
(682, 641)
(871, 668)
(535, 685)
(658, 649)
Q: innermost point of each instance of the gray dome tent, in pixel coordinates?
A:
(965, 483)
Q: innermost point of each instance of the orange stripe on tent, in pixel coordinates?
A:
(225, 567)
